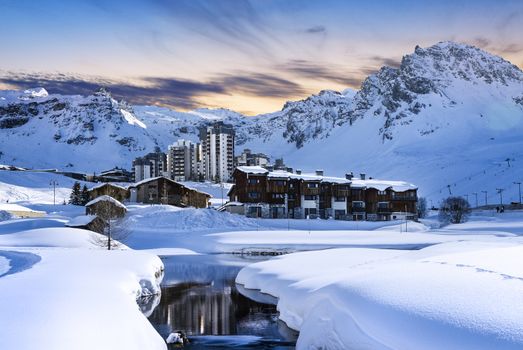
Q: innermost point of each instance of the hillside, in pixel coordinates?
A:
(451, 114)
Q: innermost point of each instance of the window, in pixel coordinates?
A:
(291, 185)
(278, 196)
(343, 187)
(383, 205)
(358, 204)
(339, 199)
(382, 193)
(291, 196)
(254, 195)
(254, 181)
(279, 183)
(310, 197)
(312, 185)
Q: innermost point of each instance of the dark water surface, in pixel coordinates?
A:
(200, 297)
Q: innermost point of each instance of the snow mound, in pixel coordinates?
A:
(442, 297)
(176, 219)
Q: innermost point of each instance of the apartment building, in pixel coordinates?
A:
(218, 152)
(282, 194)
(151, 165)
(183, 161)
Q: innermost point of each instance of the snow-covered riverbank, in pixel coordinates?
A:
(460, 295)
(60, 291)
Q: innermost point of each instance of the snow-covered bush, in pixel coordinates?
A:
(454, 210)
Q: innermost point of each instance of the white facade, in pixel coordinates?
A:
(183, 160)
(218, 153)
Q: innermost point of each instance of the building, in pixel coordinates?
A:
(87, 222)
(162, 190)
(183, 161)
(116, 191)
(247, 158)
(218, 152)
(106, 207)
(151, 165)
(115, 175)
(282, 193)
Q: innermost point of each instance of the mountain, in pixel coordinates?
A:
(449, 119)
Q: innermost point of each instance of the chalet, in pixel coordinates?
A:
(87, 222)
(161, 190)
(109, 189)
(105, 207)
(283, 193)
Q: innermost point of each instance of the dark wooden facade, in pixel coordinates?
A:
(117, 192)
(105, 209)
(304, 196)
(162, 190)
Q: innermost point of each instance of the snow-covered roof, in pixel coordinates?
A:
(380, 185)
(166, 178)
(253, 170)
(105, 184)
(106, 198)
(81, 220)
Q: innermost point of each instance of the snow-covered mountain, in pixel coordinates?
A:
(451, 114)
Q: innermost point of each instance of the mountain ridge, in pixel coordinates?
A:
(445, 97)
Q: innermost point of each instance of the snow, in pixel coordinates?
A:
(107, 184)
(67, 282)
(81, 220)
(441, 297)
(131, 119)
(15, 207)
(33, 187)
(106, 198)
(37, 92)
(380, 185)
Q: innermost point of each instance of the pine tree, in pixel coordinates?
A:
(84, 196)
(75, 197)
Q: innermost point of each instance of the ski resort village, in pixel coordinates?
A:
(258, 174)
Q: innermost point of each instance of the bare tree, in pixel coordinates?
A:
(114, 230)
(454, 210)
(421, 207)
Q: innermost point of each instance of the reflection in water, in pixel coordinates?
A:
(199, 297)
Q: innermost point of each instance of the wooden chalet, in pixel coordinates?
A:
(109, 189)
(282, 194)
(161, 190)
(105, 207)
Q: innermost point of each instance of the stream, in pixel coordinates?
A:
(200, 298)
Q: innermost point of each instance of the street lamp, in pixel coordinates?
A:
(54, 183)
(519, 188)
(485, 197)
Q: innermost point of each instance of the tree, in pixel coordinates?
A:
(84, 196)
(76, 194)
(421, 207)
(454, 210)
(115, 230)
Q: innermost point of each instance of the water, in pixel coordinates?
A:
(200, 297)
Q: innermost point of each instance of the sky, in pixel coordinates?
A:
(247, 55)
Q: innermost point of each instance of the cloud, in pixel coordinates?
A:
(310, 70)
(386, 61)
(499, 48)
(171, 92)
(316, 30)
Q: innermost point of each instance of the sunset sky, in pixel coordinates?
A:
(249, 56)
